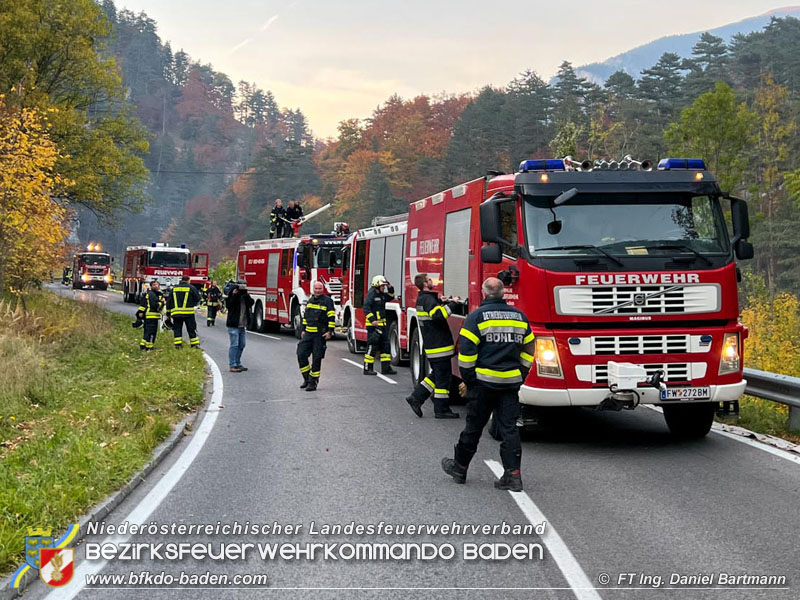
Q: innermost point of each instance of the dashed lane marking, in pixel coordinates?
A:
(382, 376)
(576, 578)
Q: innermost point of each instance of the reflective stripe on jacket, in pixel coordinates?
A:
(151, 303)
(182, 300)
(433, 314)
(375, 305)
(320, 315)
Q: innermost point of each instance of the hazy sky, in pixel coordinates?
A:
(341, 59)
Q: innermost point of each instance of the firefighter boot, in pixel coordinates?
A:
(386, 368)
(456, 470)
(511, 481)
(369, 369)
(415, 405)
(312, 384)
(304, 385)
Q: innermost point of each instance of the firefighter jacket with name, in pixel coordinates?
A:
(150, 303)
(433, 314)
(214, 296)
(182, 300)
(320, 315)
(375, 306)
(495, 346)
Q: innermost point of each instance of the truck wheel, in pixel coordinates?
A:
(257, 323)
(297, 321)
(351, 340)
(394, 343)
(419, 364)
(689, 421)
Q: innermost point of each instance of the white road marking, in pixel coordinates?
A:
(580, 584)
(149, 503)
(382, 376)
(272, 337)
(717, 428)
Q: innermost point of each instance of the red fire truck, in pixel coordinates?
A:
(167, 264)
(279, 274)
(627, 274)
(92, 268)
(376, 250)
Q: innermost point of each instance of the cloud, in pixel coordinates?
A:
(240, 45)
(269, 22)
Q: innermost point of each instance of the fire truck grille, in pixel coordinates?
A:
(335, 290)
(641, 344)
(96, 270)
(674, 372)
(637, 299)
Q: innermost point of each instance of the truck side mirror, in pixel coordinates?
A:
(744, 250)
(491, 254)
(740, 218)
(491, 232)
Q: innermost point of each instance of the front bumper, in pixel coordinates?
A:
(592, 397)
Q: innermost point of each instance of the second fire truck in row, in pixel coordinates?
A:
(167, 264)
(627, 274)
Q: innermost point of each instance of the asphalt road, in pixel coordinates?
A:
(623, 497)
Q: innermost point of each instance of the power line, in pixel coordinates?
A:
(166, 172)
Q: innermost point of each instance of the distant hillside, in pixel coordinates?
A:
(644, 57)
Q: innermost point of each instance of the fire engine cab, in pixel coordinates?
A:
(167, 264)
(279, 274)
(92, 268)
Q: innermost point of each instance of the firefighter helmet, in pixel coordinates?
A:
(378, 281)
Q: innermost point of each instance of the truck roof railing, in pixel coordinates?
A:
(391, 219)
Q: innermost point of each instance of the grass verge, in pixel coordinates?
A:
(81, 410)
(764, 416)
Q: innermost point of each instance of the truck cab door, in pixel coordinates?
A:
(200, 263)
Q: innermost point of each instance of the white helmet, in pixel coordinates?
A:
(378, 281)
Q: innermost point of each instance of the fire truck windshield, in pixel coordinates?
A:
(626, 225)
(328, 257)
(95, 259)
(159, 258)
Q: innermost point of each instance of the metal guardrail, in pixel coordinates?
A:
(778, 388)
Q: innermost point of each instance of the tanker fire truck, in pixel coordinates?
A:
(91, 268)
(279, 274)
(627, 274)
(167, 264)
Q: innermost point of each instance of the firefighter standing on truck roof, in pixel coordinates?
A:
(151, 303)
(377, 334)
(437, 340)
(294, 212)
(213, 302)
(495, 356)
(319, 321)
(180, 308)
(277, 220)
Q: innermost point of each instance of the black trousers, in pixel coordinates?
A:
(149, 332)
(378, 341)
(436, 384)
(505, 404)
(212, 314)
(191, 328)
(276, 230)
(311, 344)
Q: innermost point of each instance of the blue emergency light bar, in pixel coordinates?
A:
(183, 246)
(542, 164)
(669, 164)
(152, 244)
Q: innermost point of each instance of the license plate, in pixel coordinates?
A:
(686, 393)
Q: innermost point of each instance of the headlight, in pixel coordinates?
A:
(107, 278)
(729, 361)
(84, 278)
(547, 363)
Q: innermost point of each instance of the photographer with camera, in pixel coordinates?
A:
(239, 304)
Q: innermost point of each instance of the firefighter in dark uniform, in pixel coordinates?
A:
(319, 322)
(293, 212)
(213, 302)
(277, 220)
(180, 308)
(437, 340)
(379, 294)
(495, 355)
(151, 303)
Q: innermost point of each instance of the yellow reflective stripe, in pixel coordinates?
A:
(422, 313)
(501, 374)
(441, 309)
(369, 316)
(305, 369)
(315, 373)
(369, 359)
(470, 336)
(331, 325)
(528, 338)
(503, 323)
(526, 356)
(467, 358)
(331, 313)
(317, 306)
(438, 350)
(312, 329)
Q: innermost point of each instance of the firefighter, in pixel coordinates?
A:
(495, 356)
(319, 322)
(277, 220)
(151, 303)
(439, 349)
(180, 308)
(213, 302)
(379, 294)
(294, 212)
